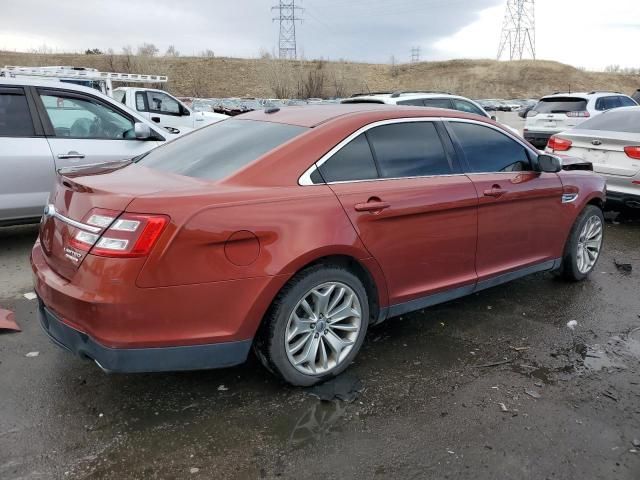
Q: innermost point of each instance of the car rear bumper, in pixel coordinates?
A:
(129, 360)
(538, 139)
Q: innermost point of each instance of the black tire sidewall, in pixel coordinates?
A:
(273, 349)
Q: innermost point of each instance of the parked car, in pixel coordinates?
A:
(164, 109)
(562, 111)
(45, 126)
(425, 99)
(611, 142)
(293, 230)
(636, 96)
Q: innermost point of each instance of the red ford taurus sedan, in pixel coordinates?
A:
(294, 230)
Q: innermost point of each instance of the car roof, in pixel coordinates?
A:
(402, 96)
(314, 115)
(47, 82)
(582, 94)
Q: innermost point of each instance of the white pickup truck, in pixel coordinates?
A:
(164, 109)
(156, 105)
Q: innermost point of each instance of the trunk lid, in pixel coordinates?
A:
(79, 192)
(605, 150)
(554, 114)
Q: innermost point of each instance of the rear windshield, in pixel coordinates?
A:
(221, 149)
(561, 105)
(614, 121)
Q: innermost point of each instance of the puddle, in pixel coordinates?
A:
(317, 422)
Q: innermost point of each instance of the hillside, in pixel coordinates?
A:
(235, 77)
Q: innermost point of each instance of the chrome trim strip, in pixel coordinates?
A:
(569, 197)
(50, 211)
(305, 178)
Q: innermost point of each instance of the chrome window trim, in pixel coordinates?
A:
(50, 211)
(305, 178)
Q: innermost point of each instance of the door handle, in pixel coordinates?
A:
(72, 154)
(371, 206)
(494, 191)
(156, 119)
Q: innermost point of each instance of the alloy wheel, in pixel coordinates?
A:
(589, 244)
(323, 328)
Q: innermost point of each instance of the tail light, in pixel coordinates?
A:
(559, 144)
(580, 114)
(126, 235)
(632, 152)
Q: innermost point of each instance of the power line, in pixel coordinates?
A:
(286, 12)
(518, 35)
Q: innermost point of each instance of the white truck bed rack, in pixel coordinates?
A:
(87, 74)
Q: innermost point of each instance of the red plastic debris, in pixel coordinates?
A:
(8, 321)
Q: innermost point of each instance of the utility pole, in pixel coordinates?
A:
(415, 54)
(287, 15)
(518, 36)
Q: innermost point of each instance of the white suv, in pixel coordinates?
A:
(425, 99)
(562, 111)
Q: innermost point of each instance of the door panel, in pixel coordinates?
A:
(165, 111)
(422, 231)
(518, 220)
(27, 177)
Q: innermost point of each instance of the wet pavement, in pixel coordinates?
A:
(490, 386)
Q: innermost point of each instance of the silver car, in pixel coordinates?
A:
(611, 143)
(47, 125)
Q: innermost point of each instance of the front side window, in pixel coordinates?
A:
(487, 150)
(354, 161)
(77, 117)
(627, 102)
(219, 150)
(15, 119)
(162, 103)
(464, 106)
(410, 149)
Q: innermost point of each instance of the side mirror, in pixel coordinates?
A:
(494, 118)
(184, 111)
(523, 112)
(142, 131)
(549, 163)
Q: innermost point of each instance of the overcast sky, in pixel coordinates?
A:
(584, 33)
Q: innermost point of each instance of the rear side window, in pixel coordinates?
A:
(408, 150)
(627, 102)
(219, 150)
(354, 161)
(615, 121)
(561, 105)
(141, 102)
(120, 96)
(417, 102)
(487, 150)
(607, 103)
(464, 106)
(15, 119)
(437, 102)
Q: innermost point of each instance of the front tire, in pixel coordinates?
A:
(315, 326)
(584, 245)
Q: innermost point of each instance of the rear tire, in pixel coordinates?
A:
(584, 245)
(315, 326)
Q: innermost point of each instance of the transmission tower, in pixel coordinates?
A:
(518, 36)
(415, 54)
(286, 12)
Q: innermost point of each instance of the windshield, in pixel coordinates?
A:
(620, 120)
(221, 149)
(561, 105)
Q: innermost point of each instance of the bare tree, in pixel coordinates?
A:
(128, 59)
(313, 84)
(172, 52)
(147, 50)
(111, 60)
(208, 53)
